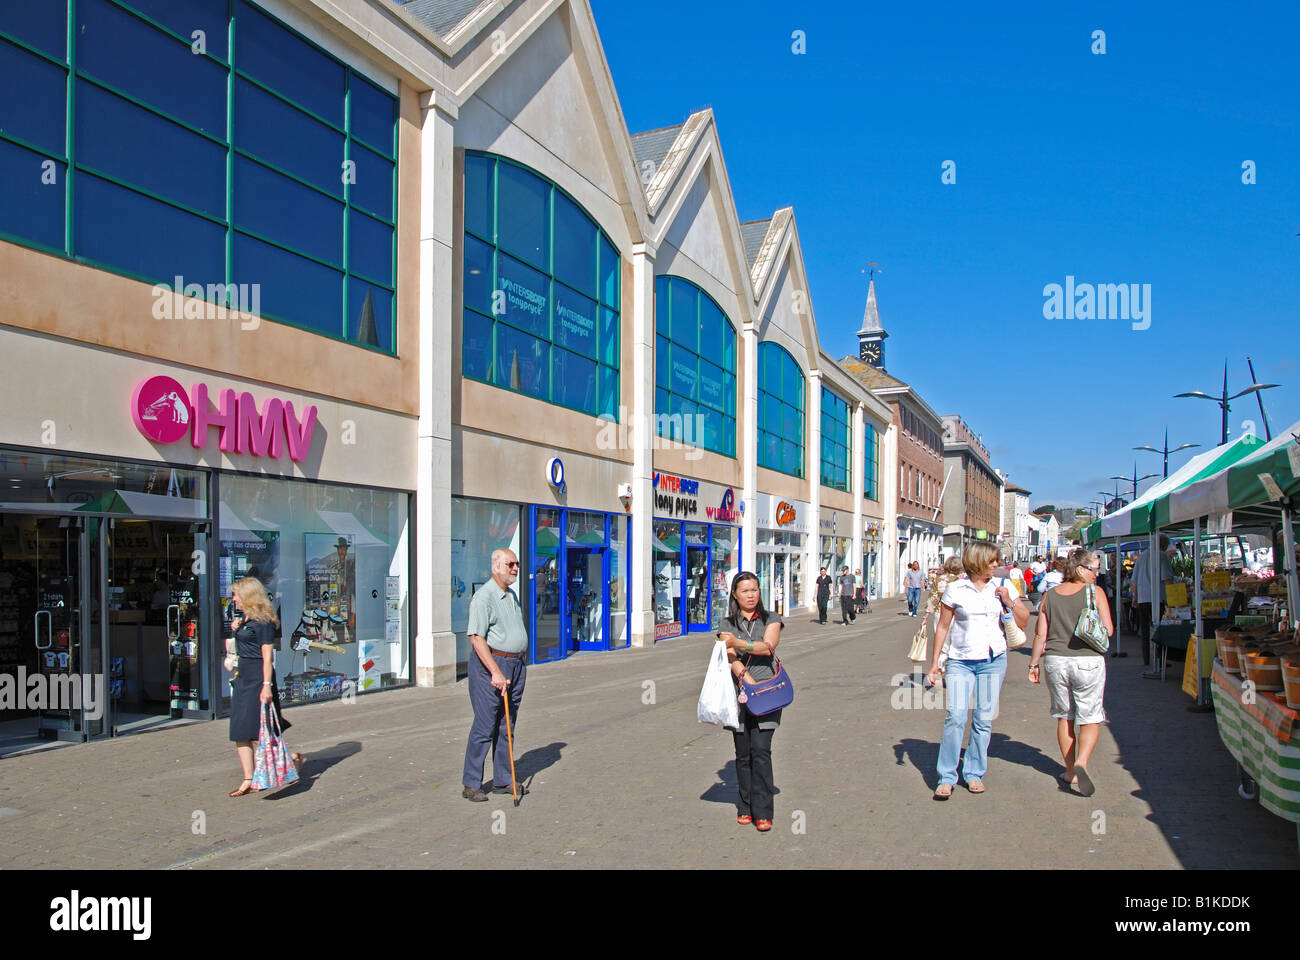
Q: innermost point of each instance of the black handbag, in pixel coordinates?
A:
(767, 696)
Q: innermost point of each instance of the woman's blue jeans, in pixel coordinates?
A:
(971, 683)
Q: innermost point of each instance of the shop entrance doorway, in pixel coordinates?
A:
(585, 598)
(158, 660)
(696, 588)
(48, 653)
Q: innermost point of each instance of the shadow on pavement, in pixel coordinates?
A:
(538, 759)
(726, 791)
(316, 763)
(924, 755)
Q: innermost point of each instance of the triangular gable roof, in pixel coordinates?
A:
(441, 16)
(781, 244)
(752, 233)
(651, 146)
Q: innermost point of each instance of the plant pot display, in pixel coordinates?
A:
(1291, 679)
(1229, 644)
(1264, 670)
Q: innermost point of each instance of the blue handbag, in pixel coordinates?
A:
(767, 696)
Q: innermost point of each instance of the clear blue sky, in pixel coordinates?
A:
(1122, 167)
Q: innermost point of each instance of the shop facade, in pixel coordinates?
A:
(783, 531)
(117, 556)
(836, 541)
(694, 555)
(872, 557)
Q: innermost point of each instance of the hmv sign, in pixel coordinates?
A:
(165, 413)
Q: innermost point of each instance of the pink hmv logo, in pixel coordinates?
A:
(165, 413)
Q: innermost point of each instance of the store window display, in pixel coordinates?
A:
(667, 578)
(335, 561)
(477, 528)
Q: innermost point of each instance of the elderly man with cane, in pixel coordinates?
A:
(496, 671)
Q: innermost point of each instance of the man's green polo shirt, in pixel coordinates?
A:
(495, 615)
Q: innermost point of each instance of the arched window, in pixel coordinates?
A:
(780, 411)
(837, 440)
(695, 367)
(542, 292)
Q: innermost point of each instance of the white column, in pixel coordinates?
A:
(749, 441)
(889, 506)
(435, 644)
(857, 485)
(813, 470)
(641, 435)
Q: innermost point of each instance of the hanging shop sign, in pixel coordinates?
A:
(679, 498)
(776, 513)
(164, 413)
(555, 473)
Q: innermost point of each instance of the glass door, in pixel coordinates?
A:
(547, 559)
(44, 606)
(695, 591)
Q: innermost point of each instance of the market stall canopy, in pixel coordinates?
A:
(1136, 517)
(1239, 485)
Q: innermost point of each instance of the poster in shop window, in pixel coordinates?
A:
(331, 584)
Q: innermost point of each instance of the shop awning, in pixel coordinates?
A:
(1239, 485)
(1136, 518)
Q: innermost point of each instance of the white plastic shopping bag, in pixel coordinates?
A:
(718, 695)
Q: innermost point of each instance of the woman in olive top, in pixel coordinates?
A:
(1076, 672)
(751, 635)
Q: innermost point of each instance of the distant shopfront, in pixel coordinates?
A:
(573, 579)
(695, 553)
(836, 540)
(782, 529)
(872, 556)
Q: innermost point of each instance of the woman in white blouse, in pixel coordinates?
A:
(970, 621)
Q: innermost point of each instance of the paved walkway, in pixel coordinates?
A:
(622, 775)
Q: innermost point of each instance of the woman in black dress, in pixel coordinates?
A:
(254, 627)
(751, 635)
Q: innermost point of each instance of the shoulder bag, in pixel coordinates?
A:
(767, 696)
(1010, 629)
(1089, 627)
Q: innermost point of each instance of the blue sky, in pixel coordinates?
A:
(1124, 167)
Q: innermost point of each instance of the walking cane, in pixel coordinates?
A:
(510, 742)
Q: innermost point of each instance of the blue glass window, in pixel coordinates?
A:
(871, 450)
(184, 17)
(133, 57)
(780, 411)
(277, 208)
(165, 241)
(373, 115)
(837, 441)
(694, 367)
(273, 131)
(555, 334)
(30, 208)
(44, 25)
(291, 286)
(289, 65)
(121, 140)
(33, 106)
(296, 110)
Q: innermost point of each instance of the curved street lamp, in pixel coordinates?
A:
(1135, 479)
(1166, 451)
(1223, 400)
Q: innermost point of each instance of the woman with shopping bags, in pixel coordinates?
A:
(251, 693)
(970, 621)
(751, 634)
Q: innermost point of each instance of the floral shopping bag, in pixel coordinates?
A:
(273, 766)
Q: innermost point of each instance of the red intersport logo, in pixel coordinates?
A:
(161, 409)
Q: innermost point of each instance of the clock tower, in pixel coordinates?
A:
(871, 338)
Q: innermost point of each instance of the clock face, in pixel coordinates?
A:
(871, 351)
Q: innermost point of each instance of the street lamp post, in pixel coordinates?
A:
(1166, 451)
(1135, 479)
(1223, 400)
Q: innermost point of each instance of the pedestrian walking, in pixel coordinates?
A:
(920, 644)
(752, 634)
(860, 596)
(1076, 670)
(847, 584)
(497, 666)
(915, 581)
(254, 626)
(970, 622)
(1142, 597)
(1055, 574)
(823, 594)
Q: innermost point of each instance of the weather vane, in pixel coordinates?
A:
(870, 269)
